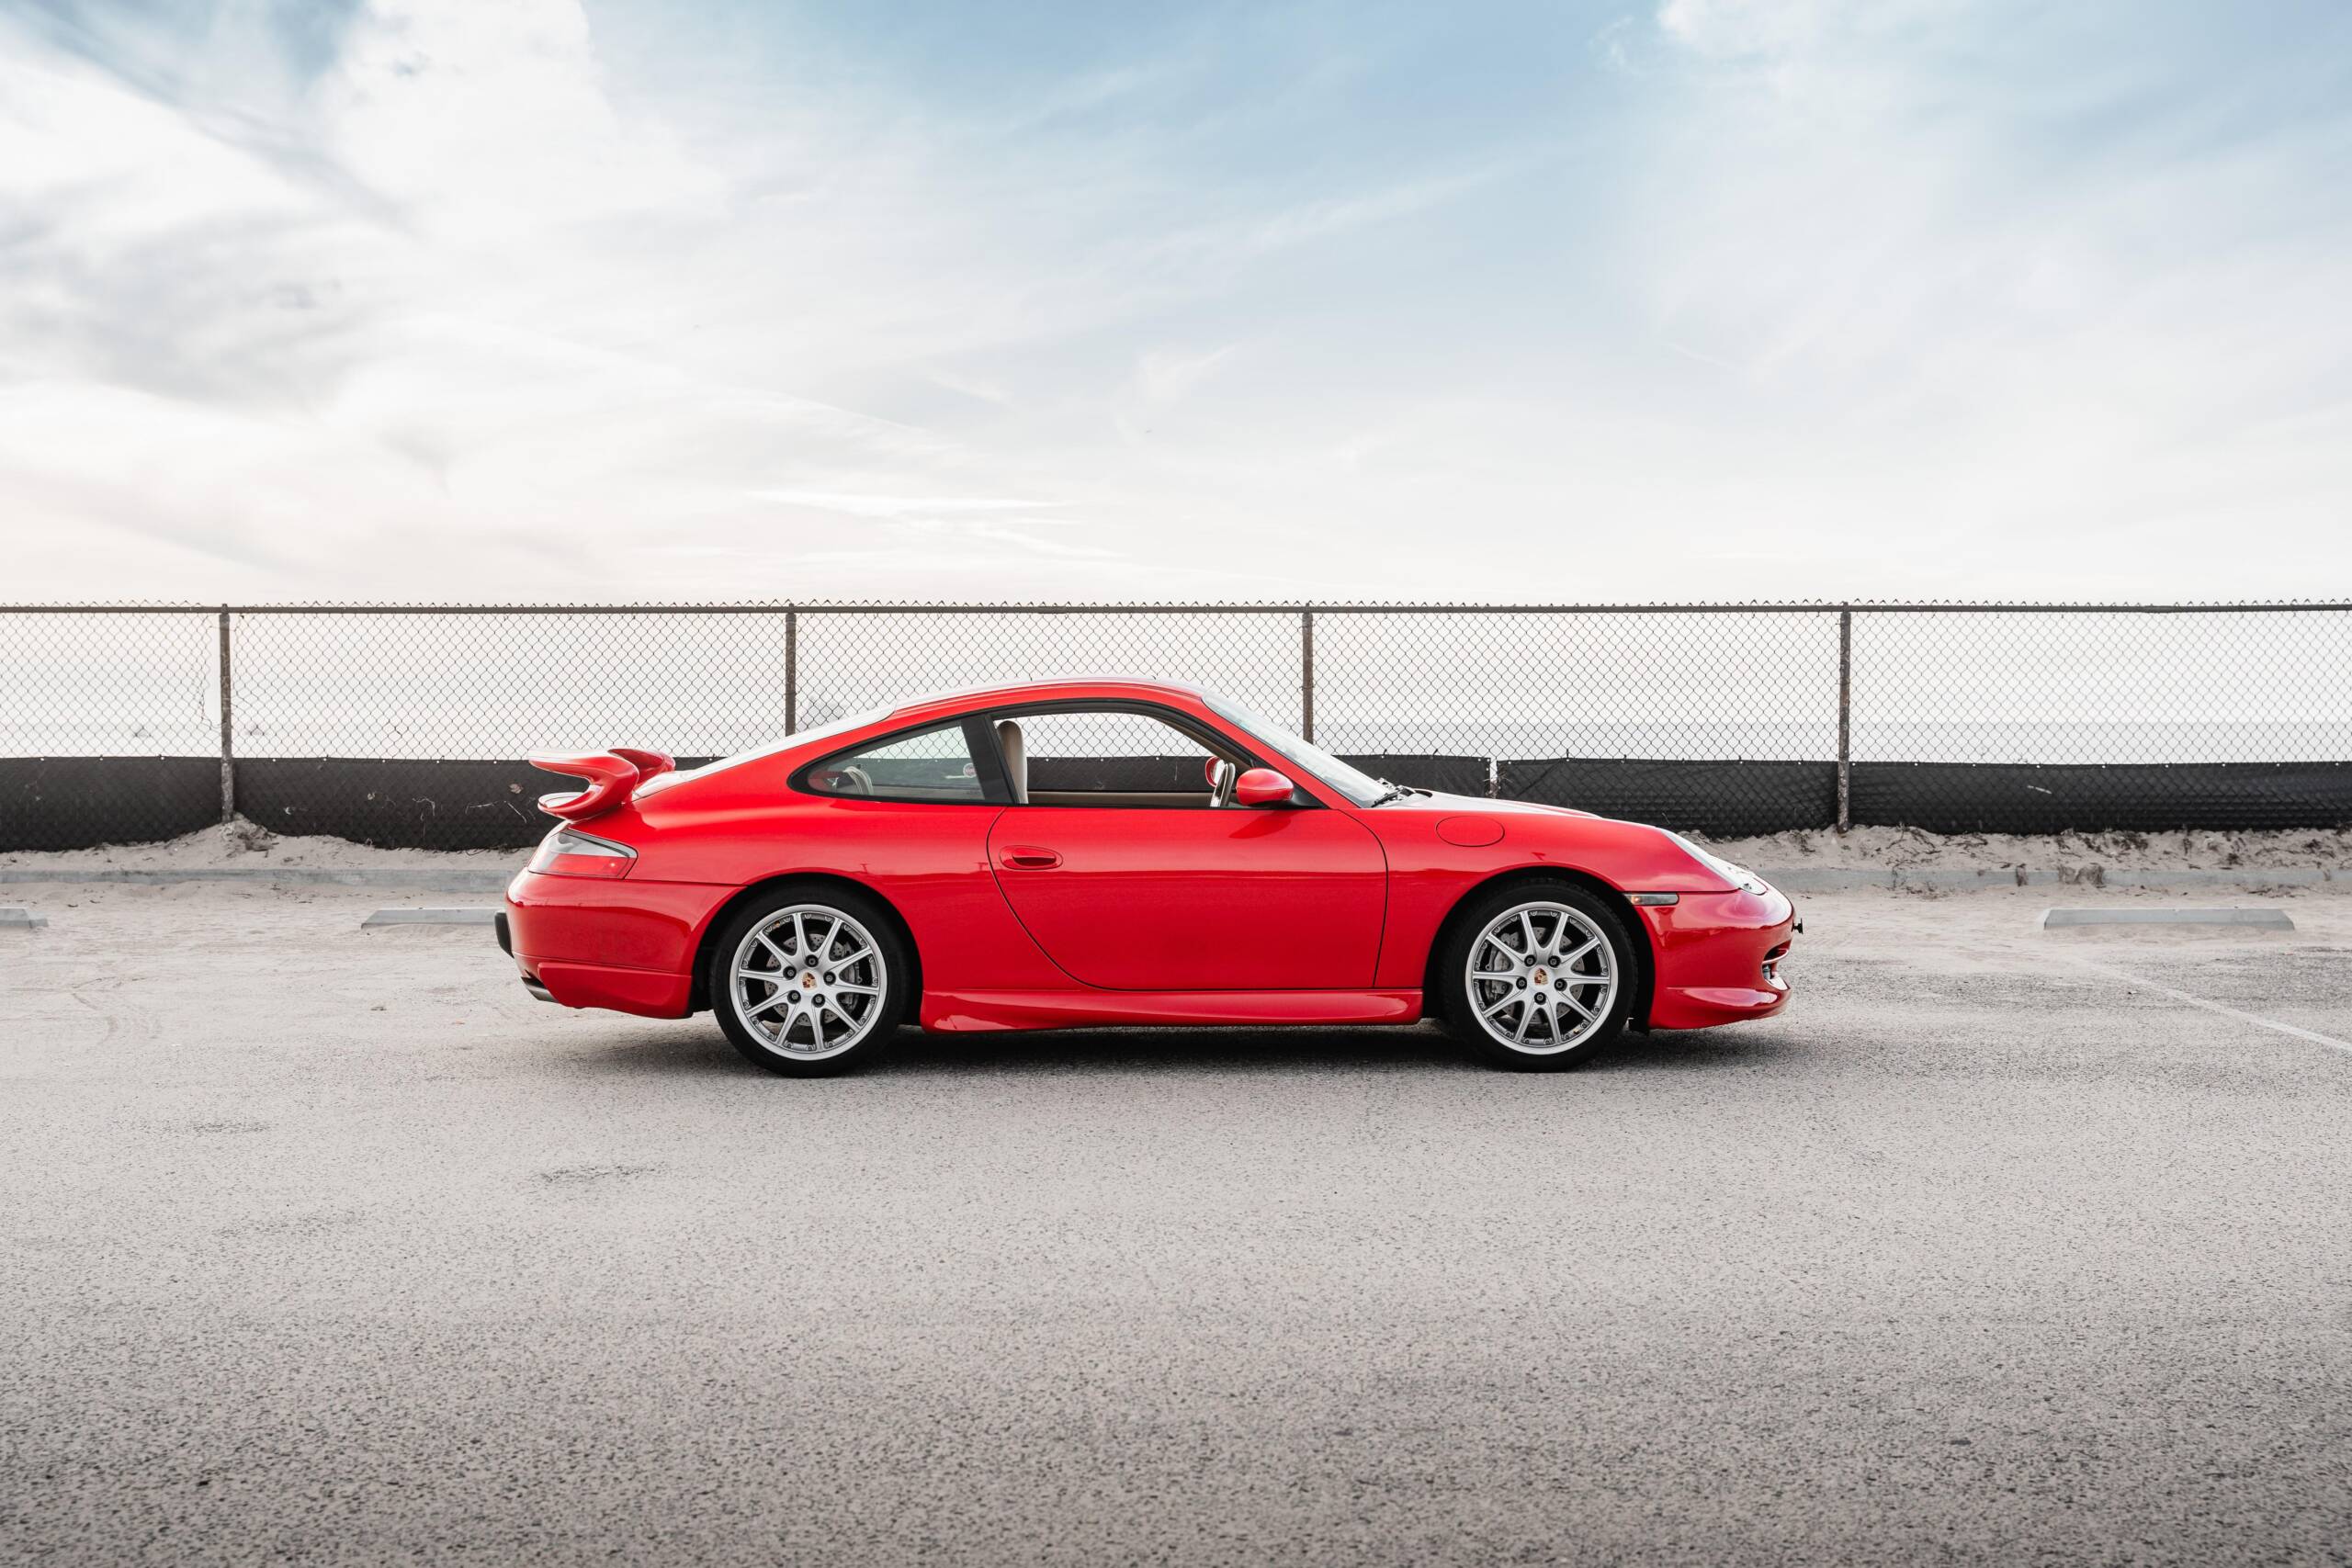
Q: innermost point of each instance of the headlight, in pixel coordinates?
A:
(1738, 876)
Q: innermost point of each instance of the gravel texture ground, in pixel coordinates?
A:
(334, 1247)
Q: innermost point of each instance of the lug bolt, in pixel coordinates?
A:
(1522, 982)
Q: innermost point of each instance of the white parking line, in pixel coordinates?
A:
(2312, 1034)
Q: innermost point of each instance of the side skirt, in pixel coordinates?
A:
(955, 1011)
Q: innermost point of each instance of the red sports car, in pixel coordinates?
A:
(1116, 852)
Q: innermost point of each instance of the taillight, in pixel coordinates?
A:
(568, 851)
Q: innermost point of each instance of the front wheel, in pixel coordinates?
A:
(1537, 976)
(808, 981)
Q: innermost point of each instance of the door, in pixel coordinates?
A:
(1158, 890)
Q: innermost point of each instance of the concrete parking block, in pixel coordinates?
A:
(20, 919)
(429, 917)
(2260, 920)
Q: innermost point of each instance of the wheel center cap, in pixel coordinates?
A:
(807, 982)
(1541, 977)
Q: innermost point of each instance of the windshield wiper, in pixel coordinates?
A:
(1389, 791)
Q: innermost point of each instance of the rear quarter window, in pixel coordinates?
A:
(930, 764)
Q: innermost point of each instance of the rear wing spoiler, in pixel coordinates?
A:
(612, 776)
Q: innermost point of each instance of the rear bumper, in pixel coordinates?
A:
(648, 993)
(627, 945)
(1713, 951)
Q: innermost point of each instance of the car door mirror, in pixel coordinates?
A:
(1261, 786)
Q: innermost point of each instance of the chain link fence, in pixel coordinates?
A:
(404, 724)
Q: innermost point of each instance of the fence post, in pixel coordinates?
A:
(1307, 671)
(228, 743)
(1845, 719)
(791, 672)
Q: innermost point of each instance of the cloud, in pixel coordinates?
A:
(980, 391)
(897, 506)
(444, 284)
(488, 123)
(1735, 28)
(2011, 298)
(1214, 249)
(495, 309)
(1165, 377)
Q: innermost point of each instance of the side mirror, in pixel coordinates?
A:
(1261, 786)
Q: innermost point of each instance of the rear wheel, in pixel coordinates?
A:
(808, 981)
(1537, 976)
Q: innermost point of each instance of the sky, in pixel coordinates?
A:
(442, 300)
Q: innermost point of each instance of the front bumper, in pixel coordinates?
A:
(1718, 957)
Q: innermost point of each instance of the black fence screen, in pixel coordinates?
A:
(406, 726)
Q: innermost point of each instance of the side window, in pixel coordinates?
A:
(1106, 758)
(931, 764)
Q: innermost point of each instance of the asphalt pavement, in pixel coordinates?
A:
(1999, 1245)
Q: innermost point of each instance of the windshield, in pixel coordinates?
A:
(1356, 784)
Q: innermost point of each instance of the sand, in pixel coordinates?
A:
(1904, 848)
(244, 844)
(248, 845)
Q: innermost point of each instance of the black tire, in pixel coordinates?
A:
(1564, 916)
(797, 1052)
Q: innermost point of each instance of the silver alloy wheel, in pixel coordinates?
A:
(808, 980)
(1541, 978)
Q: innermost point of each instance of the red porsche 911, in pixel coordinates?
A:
(1116, 852)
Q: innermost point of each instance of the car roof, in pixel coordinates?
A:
(1055, 690)
(940, 705)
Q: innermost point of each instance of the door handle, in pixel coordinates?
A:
(1028, 857)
